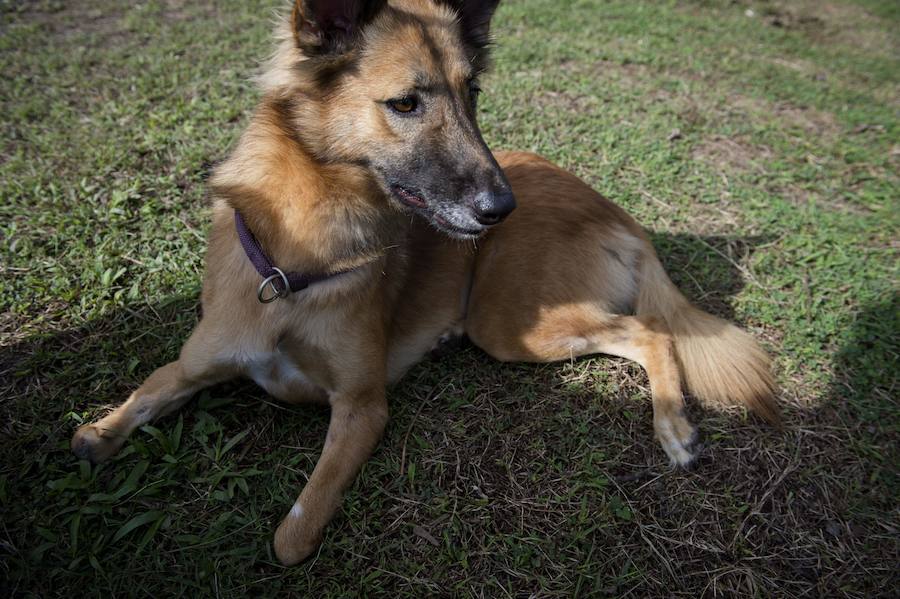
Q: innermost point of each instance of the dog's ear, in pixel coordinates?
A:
(323, 27)
(474, 19)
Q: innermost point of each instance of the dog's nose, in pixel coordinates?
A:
(492, 207)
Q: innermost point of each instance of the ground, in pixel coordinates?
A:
(757, 140)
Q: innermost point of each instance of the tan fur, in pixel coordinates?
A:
(721, 364)
(568, 273)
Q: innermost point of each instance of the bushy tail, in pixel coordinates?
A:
(721, 364)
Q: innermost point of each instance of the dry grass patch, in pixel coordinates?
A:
(732, 155)
(806, 118)
(833, 22)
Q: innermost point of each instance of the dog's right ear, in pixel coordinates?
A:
(330, 27)
(475, 19)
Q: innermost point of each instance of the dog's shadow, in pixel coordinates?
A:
(708, 270)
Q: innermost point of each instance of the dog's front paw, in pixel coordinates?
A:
(677, 436)
(94, 444)
(296, 538)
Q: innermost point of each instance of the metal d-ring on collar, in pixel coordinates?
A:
(279, 282)
(276, 292)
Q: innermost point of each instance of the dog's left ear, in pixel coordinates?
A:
(474, 19)
(323, 27)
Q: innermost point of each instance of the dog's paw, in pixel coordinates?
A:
(678, 438)
(94, 444)
(296, 538)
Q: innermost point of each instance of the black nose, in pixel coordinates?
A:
(492, 207)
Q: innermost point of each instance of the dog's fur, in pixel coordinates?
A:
(328, 176)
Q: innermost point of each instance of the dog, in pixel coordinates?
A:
(361, 220)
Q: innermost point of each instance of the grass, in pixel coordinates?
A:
(757, 140)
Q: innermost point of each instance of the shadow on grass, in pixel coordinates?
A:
(706, 268)
(863, 399)
(867, 366)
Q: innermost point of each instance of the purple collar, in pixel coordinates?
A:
(281, 283)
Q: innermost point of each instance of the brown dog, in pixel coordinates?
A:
(368, 117)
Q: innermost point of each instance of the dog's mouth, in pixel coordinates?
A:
(409, 198)
(420, 206)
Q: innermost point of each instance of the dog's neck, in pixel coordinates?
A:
(308, 215)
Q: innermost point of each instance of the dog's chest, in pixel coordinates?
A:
(277, 373)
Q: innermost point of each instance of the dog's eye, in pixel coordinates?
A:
(403, 105)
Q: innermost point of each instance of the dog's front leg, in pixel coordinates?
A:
(357, 423)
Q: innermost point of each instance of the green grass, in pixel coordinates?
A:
(761, 151)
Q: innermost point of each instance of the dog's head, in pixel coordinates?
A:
(392, 87)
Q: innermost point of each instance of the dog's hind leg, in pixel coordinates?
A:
(566, 332)
(164, 391)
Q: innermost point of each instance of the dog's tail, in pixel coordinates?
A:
(721, 364)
